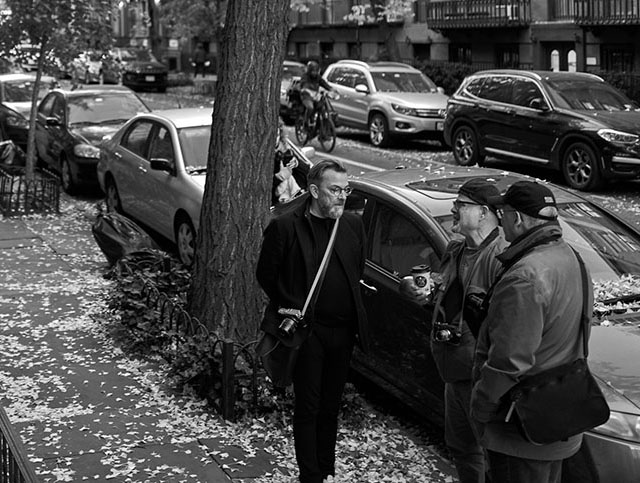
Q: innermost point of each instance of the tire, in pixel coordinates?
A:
(580, 167)
(379, 131)
(66, 176)
(302, 135)
(327, 135)
(185, 240)
(114, 205)
(465, 147)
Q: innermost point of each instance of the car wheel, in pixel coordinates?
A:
(66, 176)
(580, 167)
(185, 240)
(465, 147)
(379, 131)
(114, 204)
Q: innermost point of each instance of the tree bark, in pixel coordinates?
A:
(224, 294)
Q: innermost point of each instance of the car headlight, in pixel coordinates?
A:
(86, 151)
(17, 121)
(618, 137)
(624, 421)
(407, 111)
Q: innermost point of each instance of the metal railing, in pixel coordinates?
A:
(455, 14)
(20, 196)
(597, 12)
(15, 467)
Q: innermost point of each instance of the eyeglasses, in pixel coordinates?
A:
(337, 191)
(457, 204)
(501, 212)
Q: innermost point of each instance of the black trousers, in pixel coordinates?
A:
(318, 382)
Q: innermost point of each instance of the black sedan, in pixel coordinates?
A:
(140, 69)
(408, 219)
(70, 125)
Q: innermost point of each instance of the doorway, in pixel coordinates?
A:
(560, 56)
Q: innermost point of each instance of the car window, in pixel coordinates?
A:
(292, 70)
(47, 105)
(101, 109)
(475, 86)
(497, 89)
(343, 76)
(397, 244)
(402, 82)
(589, 95)
(58, 110)
(525, 91)
(194, 144)
(135, 139)
(161, 146)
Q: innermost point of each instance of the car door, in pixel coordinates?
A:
(130, 169)
(399, 329)
(494, 113)
(49, 134)
(347, 105)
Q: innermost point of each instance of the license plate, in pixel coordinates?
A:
(439, 126)
(150, 78)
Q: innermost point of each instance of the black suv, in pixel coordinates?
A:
(568, 121)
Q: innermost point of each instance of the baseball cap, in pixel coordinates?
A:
(480, 190)
(527, 197)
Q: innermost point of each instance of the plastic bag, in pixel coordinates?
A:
(117, 236)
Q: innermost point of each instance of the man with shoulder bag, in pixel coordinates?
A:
(315, 309)
(468, 268)
(536, 327)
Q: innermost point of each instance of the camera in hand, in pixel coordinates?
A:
(446, 333)
(291, 321)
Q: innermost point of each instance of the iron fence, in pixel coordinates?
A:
(15, 467)
(22, 196)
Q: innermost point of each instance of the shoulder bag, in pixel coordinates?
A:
(562, 401)
(280, 353)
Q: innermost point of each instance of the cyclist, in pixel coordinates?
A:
(310, 84)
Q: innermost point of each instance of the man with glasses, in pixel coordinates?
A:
(292, 249)
(468, 268)
(532, 324)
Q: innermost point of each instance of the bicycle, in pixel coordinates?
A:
(321, 124)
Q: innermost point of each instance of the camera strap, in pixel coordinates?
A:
(317, 281)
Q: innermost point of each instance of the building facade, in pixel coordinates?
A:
(569, 35)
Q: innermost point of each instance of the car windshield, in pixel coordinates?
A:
(608, 248)
(20, 91)
(402, 82)
(104, 108)
(590, 95)
(194, 142)
(129, 55)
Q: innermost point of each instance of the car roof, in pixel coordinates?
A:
(184, 117)
(293, 63)
(440, 184)
(379, 66)
(96, 90)
(541, 74)
(23, 77)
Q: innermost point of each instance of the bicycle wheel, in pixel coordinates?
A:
(327, 134)
(302, 135)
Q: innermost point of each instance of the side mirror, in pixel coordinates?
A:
(440, 90)
(53, 121)
(539, 104)
(363, 89)
(161, 164)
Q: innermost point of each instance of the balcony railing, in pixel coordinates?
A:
(598, 12)
(457, 14)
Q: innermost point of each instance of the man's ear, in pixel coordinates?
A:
(313, 189)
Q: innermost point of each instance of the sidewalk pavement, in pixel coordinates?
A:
(85, 411)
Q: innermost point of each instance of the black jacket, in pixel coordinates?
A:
(287, 267)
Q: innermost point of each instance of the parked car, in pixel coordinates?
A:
(16, 91)
(153, 169)
(71, 124)
(140, 69)
(388, 99)
(572, 122)
(291, 72)
(407, 216)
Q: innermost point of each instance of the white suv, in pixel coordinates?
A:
(389, 99)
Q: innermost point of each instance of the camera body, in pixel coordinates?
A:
(448, 333)
(291, 320)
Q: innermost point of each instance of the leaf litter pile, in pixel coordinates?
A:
(88, 411)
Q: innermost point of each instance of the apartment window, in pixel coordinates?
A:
(422, 51)
(508, 56)
(460, 53)
(617, 58)
(420, 11)
(326, 50)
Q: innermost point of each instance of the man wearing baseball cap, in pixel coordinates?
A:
(532, 324)
(468, 268)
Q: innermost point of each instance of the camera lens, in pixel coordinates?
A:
(287, 327)
(443, 335)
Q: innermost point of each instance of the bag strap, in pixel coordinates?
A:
(317, 281)
(585, 319)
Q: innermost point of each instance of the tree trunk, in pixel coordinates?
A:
(224, 294)
(31, 134)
